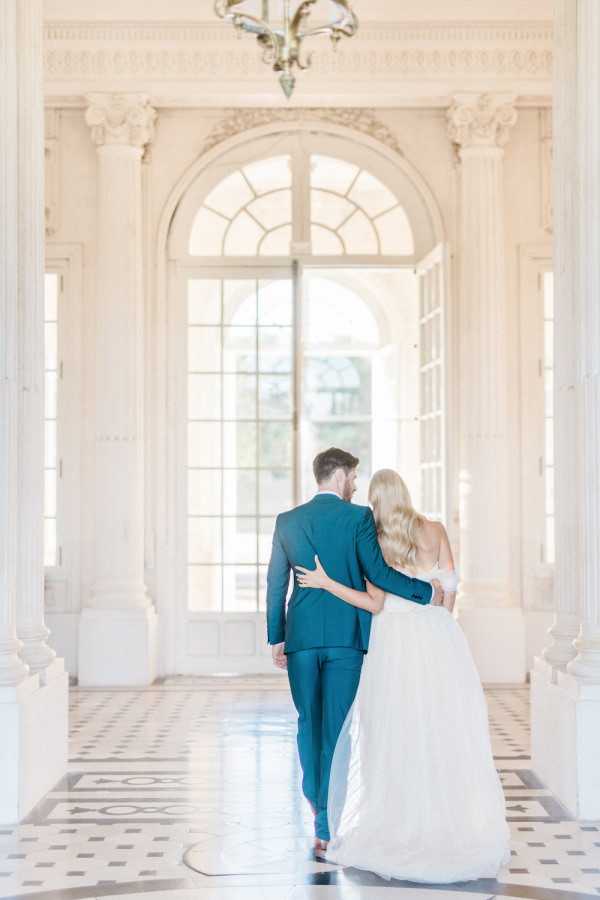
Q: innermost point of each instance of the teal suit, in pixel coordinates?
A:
(326, 638)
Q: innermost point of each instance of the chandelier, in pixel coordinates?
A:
(282, 43)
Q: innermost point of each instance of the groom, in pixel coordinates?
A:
(322, 640)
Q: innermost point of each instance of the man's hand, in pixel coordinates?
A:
(438, 594)
(279, 657)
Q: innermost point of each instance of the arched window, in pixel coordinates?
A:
(251, 212)
(300, 302)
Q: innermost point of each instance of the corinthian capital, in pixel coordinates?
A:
(481, 120)
(120, 119)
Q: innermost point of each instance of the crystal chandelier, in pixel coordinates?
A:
(282, 44)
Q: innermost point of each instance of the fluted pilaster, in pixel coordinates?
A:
(30, 554)
(121, 125)
(479, 125)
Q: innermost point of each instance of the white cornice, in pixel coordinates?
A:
(186, 64)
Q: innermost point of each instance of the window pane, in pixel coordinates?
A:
(272, 209)
(337, 386)
(50, 444)
(371, 195)
(275, 302)
(275, 396)
(204, 588)
(550, 545)
(204, 540)
(239, 349)
(550, 491)
(331, 174)
(239, 492)
(275, 444)
(240, 541)
(549, 343)
(50, 492)
(324, 242)
(50, 554)
(548, 295)
(239, 299)
(204, 444)
(275, 491)
(277, 242)
(239, 396)
(240, 589)
(549, 392)
(395, 233)
(269, 174)
(51, 296)
(204, 396)
(262, 588)
(230, 195)
(335, 314)
(243, 236)
(204, 301)
(204, 349)
(549, 443)
(208, 231)
(275, 349)
(266, 527)
(359, 235)
(204, 492)
(50, 345)
(329, 209)
(239, 444)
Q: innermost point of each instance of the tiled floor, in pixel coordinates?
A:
(212, 763)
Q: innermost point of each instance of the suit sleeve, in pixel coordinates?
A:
(278, 579)
(379, 573)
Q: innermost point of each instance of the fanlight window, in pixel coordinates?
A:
(251, 212)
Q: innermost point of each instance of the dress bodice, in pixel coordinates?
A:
(448, 578)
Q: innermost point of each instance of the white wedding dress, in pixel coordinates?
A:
(414, 793)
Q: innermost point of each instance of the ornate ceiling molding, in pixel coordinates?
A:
(237, 121)
(79, 56)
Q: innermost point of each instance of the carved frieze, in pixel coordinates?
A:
(236, 121)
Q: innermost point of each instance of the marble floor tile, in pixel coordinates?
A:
(211, 764)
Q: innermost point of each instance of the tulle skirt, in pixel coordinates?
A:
(414, 793)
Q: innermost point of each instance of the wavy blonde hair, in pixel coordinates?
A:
(397, 521)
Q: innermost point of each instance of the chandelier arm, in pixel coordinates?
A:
(346, 24)
(303, 11)
(225, 9)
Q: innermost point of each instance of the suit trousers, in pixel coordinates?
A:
(323, 682)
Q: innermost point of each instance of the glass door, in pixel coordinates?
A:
(239, 442)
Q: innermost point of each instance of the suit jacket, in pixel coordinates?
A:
(345, 538)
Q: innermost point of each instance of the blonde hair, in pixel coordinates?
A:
(397, 521)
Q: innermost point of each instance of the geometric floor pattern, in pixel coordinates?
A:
(212, 762)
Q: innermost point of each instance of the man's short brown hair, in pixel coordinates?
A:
(326, 463)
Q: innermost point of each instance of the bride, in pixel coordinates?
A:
(414, 793)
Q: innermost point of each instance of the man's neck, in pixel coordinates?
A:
(330, 490)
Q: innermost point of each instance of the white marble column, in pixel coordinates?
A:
(31, 220)
(565, 697)
(118, 626)
(479, 125)
(33, 705)
(586, 665)
(567, 585)
(12, 668)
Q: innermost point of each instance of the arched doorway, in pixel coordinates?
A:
(306, 308)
